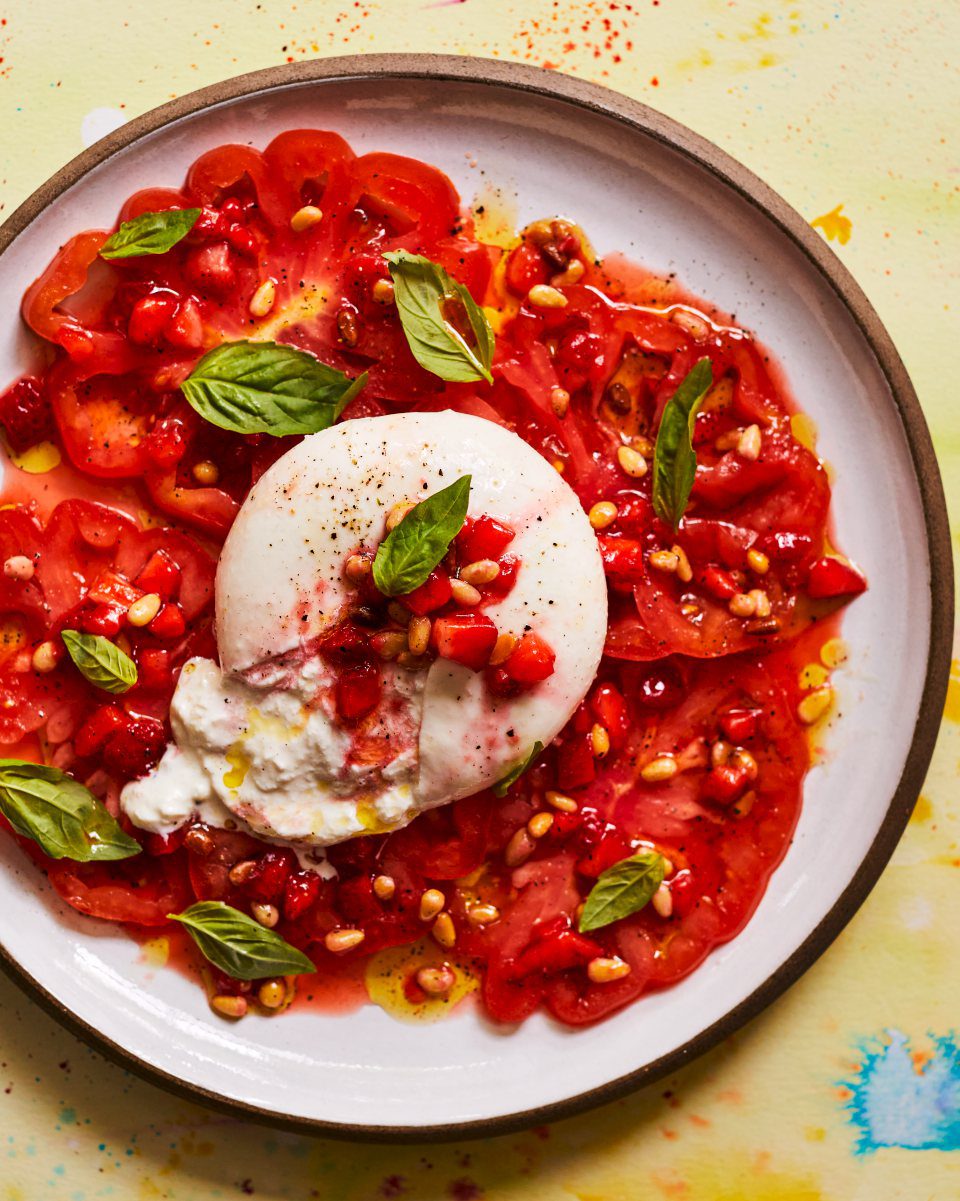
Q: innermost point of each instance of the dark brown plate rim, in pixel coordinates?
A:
(731, 174)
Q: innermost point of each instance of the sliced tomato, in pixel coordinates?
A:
(140, 891)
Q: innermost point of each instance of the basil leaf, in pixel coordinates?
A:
(265, 388)
(674, 459)
(150, 233)
(238, 945)
(622, 889)
(100, 661)
(412, 549)
(61, 816)
(446, 329)
(502, 787)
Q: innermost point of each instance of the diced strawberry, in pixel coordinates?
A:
(466, 637)
(718, 583)
(483, 538)
(344, 644)
(358, 690)
(135, 748)
(268, 880)
(25, 414)
(740, 725)
(160, 574)
(832, 576)
(531, 661)
(99, 726)
(575, 762)
(299, 893)
(169, 623)
(149, 317)
(610, 710)
(153, 669)
(109, 588)
(723, 785)
(432, 594)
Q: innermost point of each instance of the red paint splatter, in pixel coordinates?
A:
(464, 1190)
(393, 1186)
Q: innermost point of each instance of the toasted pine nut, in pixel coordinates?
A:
(358, 567)
(664, 767)
(749, 444)
(464, 593)
(814, 705)
(241, 872)
(443, 930)
(662, 901)
(399, 613)
(663, 560)
(562, 802)
(432, 901)
(632, 462)
(480, 572)
(262, 301)
(18, 567)
(306, 217)
(519, 849)
(144, 610)
(742, 605)
(720, 753)
(761, 602)
(540, 824)
(600, 741)
(684, 570)
(272, 994)
(727, 441)
(389, 643)
(502, 649)
(412, 662)
(437, 981)
(383, 291)
(559, 401)
(205, 473)
(542, 296)
(572, 275)
(603, 513)
(339, 941)
(198, 842)
(602, 970)
(743, 759)
(397, 514)
(384, 887)
(483, 915)
(418, 635)
(229, 1007)
(266, 915)
(758, 561)
(45, 657)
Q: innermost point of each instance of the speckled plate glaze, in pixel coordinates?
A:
(644, 185)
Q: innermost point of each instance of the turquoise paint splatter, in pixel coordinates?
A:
(893, 1104)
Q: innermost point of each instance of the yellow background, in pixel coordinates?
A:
(854, 104)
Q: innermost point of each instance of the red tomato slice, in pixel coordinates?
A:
(140, 891)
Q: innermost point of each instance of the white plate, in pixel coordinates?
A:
(640, 184)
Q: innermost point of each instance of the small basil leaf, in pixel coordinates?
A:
(502, 787)
(150, 233)
(238, 945)
(622, 889)
(265, 388)
(447, 330)
(674, 459)
(412, 549)
(62, 817)
(100, 661)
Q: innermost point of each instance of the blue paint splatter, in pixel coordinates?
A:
(893, 1104)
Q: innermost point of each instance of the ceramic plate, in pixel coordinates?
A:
(641, 184)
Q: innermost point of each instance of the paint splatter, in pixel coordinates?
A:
(905, 1098)
(834, 226)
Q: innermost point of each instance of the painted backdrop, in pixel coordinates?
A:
(848, 1089)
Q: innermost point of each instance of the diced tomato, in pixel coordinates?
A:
(102, 724)
(576, 765)
(211, 269)
(740, 725)
(358, 690)
(135, 748)
(166, 444)
(345, 644)
(160, 574)
(483, 538)
(719, 583)
(150, 317)
(832, 576)
(610, 710)
(556, 952)
(269, 877)
(531, 660)
(724, 784)
(525, 269)
(466, 637)
(109, 588)
(169, 624)
(25, 414)
(300, 891)
(432, 594)
(105, 620)
(153, 669)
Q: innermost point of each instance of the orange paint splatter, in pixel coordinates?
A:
(834, 226)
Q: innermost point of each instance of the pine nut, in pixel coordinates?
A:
(761, 602)
(205, 473)
(603, 971)
(519, 849)
(432, 901)
(397, 514)
(743, 759)
(727, 441)
(814, 705)
(339, 941)
(742, 605)
(389, 643)
(272, 994)
(358, 567)
(758, 561)
(559, 402)
(305, 218)
(383, 292)
(45, 657)
(444, 930)
(720, 753)
(502, 650)
(241, 872)
(562, 802)
(348, 327)
(662, 901)
(603, 513)
(749, 444)
(664, 767)
(684, 570)
(632, 462)
(572, 275)
(399, 613)
(464, 593)
(483, 571)
(198, 842)
(540, 824)
(663, 560)
(229, 1007)
(384, 887)
(144, 610)
(437, 981)
(483, 915)
(262, 301)
(542, 296)
(418, 635)
(266, 915)
(600, 741)
(18, 567)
